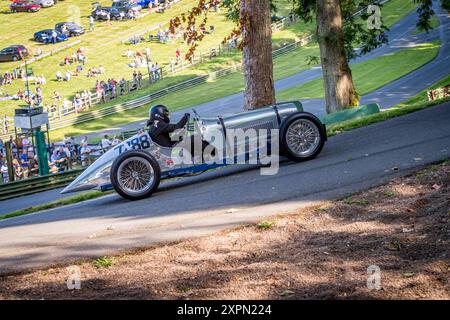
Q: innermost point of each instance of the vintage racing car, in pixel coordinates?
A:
(135, 167)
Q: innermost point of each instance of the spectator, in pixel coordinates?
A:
(84, 154)
(26, 142)
(139, 79)
(18, 171)
(59, 76)
(84, 140)
(91, 23)
(157, 71)
(172, 65)
(68, 75)
(106, 143)
(54, 158)
(24, 162)
(66, 139)
(14, 148)
(63, 159)
(4, 177)
(115, 141)
(178, 55)
(129, 53)
(21, 94)
(30, 151)
(54, 36)
(42, 80)
(122, 86)
(65, 106)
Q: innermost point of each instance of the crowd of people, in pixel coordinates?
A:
(60, 157)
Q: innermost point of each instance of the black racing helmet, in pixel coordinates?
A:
(159, 112)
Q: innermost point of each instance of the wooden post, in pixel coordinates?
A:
(9, 161)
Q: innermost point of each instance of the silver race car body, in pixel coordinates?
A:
(99, 176)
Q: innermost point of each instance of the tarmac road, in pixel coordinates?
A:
(197, 206)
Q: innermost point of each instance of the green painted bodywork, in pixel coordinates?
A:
(353, 113)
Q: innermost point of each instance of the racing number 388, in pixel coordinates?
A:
(139, 143)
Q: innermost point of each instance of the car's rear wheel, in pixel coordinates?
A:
(135, 175)
(15, 58)
(302, 137)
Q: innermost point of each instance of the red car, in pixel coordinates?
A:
(25, 6)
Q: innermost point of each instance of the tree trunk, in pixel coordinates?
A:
(340, 92)
(257, 54)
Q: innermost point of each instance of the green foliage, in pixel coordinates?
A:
(233, 8)
(265, 224)
(424, 12)
(356, 33)
(445, 4)
(103, 262)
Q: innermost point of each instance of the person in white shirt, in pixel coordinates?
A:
(91, 23)
(66, 139)
(84, 140)
(26, 143)
(84, 154)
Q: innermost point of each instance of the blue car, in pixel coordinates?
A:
(49, 36)
(145, 3)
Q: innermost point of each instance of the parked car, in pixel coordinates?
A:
(135, 167)
(46, 36)
(125, 6)
(70, 29)
(45, 3)
(100, 13)
(12, 53)
(24, 6)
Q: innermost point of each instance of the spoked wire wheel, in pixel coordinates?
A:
(135, 175)
(302, 137)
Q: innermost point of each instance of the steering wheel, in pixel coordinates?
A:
(197, 125)
(196, 115)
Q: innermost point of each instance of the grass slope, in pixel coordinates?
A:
(371, 74)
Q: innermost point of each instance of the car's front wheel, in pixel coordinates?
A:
(302, 137)
(15, 58)
(135, 175)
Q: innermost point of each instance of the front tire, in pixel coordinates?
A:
(135, 175)
(302, 137)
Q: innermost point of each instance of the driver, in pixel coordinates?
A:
(160, 126)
